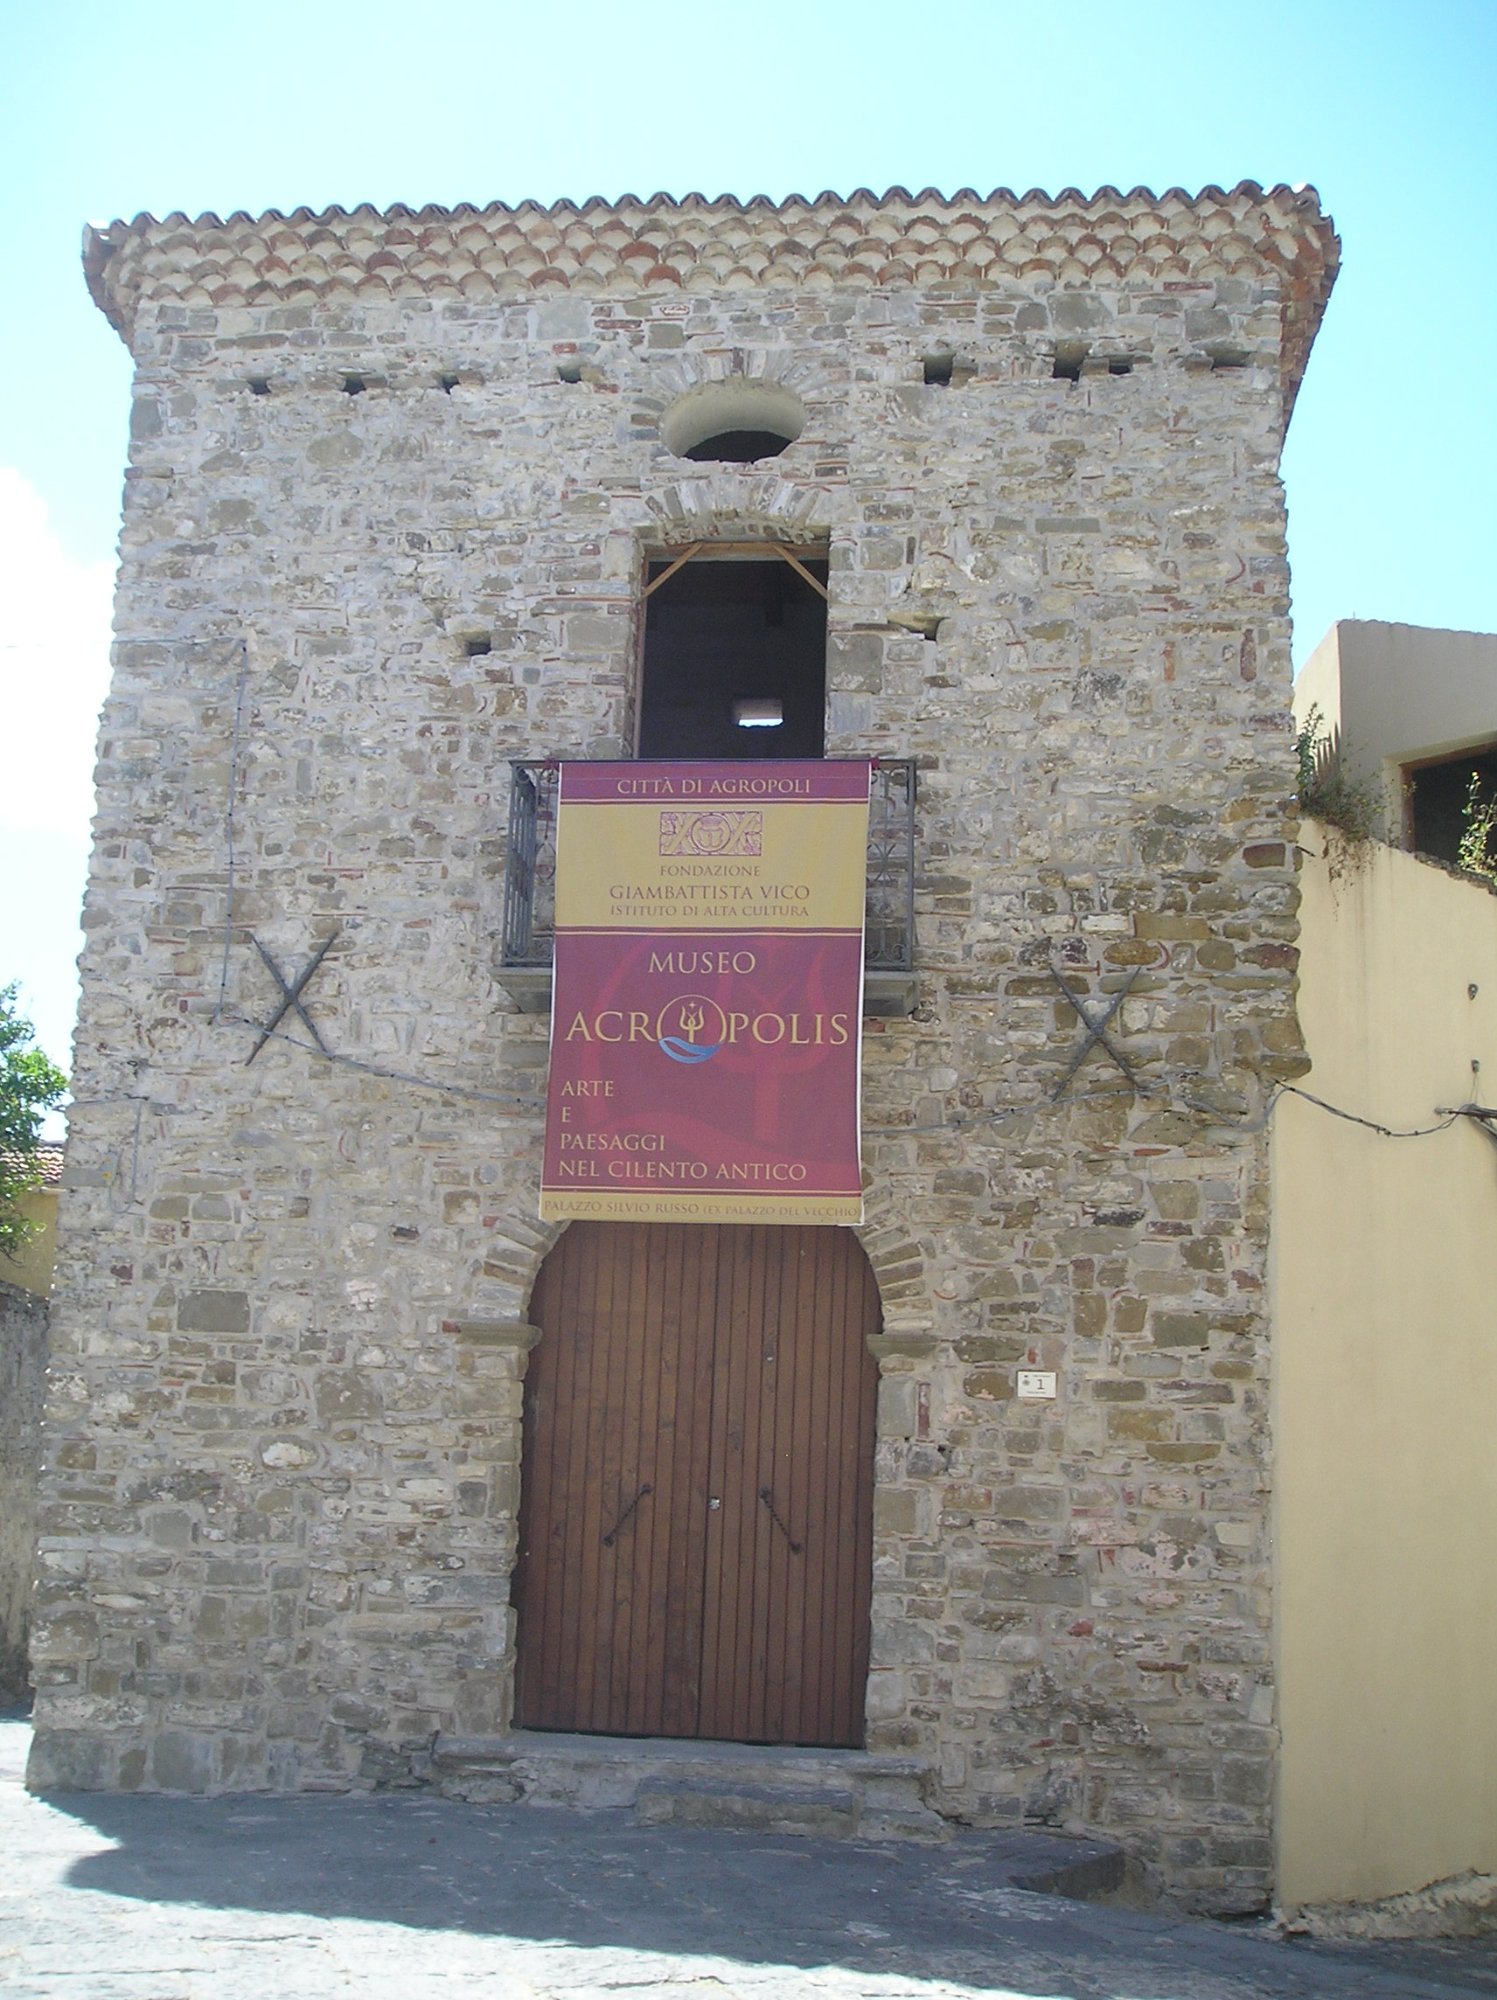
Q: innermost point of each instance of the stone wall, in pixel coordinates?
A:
(375, 546)
(23, 1368)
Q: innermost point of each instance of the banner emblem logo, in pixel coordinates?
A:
(690, 1017)
(713, 834)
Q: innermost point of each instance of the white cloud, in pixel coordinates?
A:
(54, 668)
(54, 672)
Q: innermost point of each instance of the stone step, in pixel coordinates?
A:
(803, 1809)
(666, 1780)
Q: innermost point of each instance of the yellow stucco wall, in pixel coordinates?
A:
(1385, 1282)
(32, 1270)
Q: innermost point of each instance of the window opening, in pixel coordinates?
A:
(753, 713)
(738, 447)
(732, 422)
(1069, 355)
(734, 658)
(1437, 795)
(947, 371)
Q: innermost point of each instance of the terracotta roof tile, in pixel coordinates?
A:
(855, 241)
(47, 1160)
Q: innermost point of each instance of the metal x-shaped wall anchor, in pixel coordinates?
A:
(291, 996)
(1096, 1030)
(1484, 1119)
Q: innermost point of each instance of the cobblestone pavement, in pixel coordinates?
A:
(313, 1898)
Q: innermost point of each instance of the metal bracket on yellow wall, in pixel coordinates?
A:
(1485, 1118)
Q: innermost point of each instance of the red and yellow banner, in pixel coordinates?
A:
(707, 1006)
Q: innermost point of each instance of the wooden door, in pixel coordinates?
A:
(696, 1525)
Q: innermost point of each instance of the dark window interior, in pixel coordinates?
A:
(727, 644)
(1437, 800)
(739, 447)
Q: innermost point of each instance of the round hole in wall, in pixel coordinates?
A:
(733, 423)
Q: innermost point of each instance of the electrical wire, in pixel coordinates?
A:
(1372, 1125)
(524, 1101)
(223, 972)
(1193, 1107)
(518, 1099)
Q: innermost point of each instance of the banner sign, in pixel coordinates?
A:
(707, 1003)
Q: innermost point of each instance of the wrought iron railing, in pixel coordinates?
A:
(889, 913)
(530, 877)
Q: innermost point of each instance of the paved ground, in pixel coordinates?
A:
(408, 1898)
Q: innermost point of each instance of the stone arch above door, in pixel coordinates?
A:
(726, 504)
(898, 1259)
(900, 1269)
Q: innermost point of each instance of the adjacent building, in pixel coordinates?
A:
(1385, 1296)
(25, 1281)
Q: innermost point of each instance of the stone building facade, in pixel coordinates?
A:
(396, 482)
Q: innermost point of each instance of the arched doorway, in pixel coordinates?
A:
(696, 1522)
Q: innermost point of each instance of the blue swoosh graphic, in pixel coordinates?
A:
(687, 1052)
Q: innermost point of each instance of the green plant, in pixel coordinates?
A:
(1350, 804)
(29, 1086)
(1477, 853)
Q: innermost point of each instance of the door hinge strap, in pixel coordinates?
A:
(766, 1494)
(612, 1536)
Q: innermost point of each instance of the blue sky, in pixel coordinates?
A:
(109, 109)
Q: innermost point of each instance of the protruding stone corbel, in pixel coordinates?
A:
(909, 1343)
(515, 1336)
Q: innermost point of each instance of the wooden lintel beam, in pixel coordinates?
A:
(736, 552)
(666, 574)
(799, 567)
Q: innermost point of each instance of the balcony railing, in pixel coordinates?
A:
(530, 879)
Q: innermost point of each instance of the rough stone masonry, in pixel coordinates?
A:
(393, 482)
